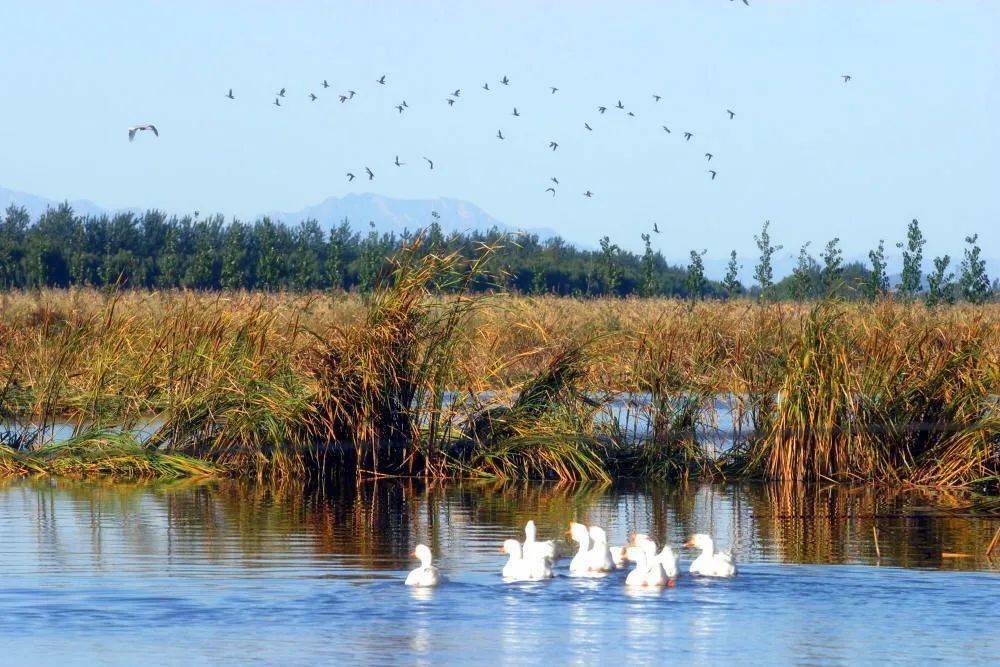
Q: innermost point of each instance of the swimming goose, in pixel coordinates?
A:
(667, 557)
(580, 565)
(533, 548)
(648, 571)
(519, 568)
(426, 574)
(600, 553)
(710, 563)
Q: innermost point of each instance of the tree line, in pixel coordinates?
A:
(156, 251)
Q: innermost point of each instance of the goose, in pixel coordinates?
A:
(648, 571)
(581, 561)
(533, 548)
(426, 574)
(666, 557)
(600, 553)
(519, 568)
(710, 563)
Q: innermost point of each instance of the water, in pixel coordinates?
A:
(232, 573)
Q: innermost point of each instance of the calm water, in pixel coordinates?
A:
(230, 573)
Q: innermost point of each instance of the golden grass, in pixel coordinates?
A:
(891, 392)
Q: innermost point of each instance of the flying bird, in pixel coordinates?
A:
(141, 128)
(458, 91)
(350, 177)
(351, 94)
(552, 190)
(429, 162)
(731, 114)
(435, 215)
(845, 77)
(277, 102)
(587, 125)
(398, 163)
(588, 194)
(620, 105)
(399, 108)
(505, 81)
(486, 86)
(708, 156)
(371, 174)
(712, 172)
(499, 135)
(230, 95)
(554, 180)
(515, 112)
(553, 145)
(325, 84)
(312, 98)
(656, 98)
(665, 129)
(655, 228)
(405, 104)
(687, 136)
(553, 89)
(281, 93)
(451, 102)
(602, 109)
(631, 114)
(381, 79)
(343, 98)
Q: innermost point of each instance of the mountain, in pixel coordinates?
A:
(395, 215)
(36, 205)
(388, 214)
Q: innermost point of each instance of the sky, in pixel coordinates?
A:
(912, 135)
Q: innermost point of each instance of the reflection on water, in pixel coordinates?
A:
(232, 572)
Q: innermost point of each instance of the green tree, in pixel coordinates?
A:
(877, 284)
(973, 281)
(695, 279)
(731, 282)
(832, 273)
(913, 256)
(235, 272)
(648, 285)
(802, 274)
(763, 273)
(371, 260)
(940, 288)
(609, 260)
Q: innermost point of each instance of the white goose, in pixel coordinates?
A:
(519, 568)
(580, 564)
(667, 557)
(600, 553)
(710, 563)
(648, 572)
(533, 548)
(426, 574)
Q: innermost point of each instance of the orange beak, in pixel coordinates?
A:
(689, 543)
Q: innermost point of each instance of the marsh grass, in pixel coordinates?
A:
(106, 453)
(425, 377)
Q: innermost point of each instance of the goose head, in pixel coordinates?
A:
(529, 531)
(701, 541)
(423, 553)
(598, 535)
(579, 533)
(512, 548)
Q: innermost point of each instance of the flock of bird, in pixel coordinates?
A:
(535, 560)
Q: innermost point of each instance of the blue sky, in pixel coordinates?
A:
(914, 134)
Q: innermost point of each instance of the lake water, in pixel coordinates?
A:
(233, 573)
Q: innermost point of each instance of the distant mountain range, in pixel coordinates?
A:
(388, 214)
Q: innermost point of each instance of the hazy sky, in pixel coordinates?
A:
(914, 134)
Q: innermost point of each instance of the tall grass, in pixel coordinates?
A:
(425, 377)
